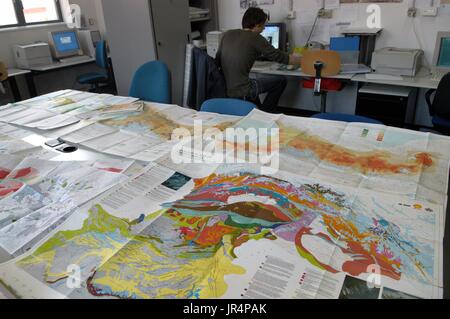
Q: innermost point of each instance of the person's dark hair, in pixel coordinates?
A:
(253, 17)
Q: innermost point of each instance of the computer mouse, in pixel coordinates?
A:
(291, 67)
(67, 149)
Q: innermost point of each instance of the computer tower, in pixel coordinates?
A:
(391, 105)
(88, 41)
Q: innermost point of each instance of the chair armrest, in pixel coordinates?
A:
(429, 102)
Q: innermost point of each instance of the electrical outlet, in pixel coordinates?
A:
(430, 12)
(412, 12)
(325, 14)
(291, 15)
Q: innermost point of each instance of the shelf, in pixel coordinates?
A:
(201, 19)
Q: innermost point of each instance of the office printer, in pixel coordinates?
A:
(395, 61)
(29, 55)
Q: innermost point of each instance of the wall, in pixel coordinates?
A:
(398, 30)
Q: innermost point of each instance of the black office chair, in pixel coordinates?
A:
(440, 106)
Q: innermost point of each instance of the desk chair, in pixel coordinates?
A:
(151, 83)
(322, 63)
(228, 107)
(96, 78)
(440, 106)
(345, 118)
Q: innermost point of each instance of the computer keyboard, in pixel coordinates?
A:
(438, 75)
(73, 59)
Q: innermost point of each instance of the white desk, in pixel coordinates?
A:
(60, 65)
(421, 81)
(36, 70)
(16, 72)
(272, 69)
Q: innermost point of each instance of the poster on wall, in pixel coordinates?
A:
(245, 4)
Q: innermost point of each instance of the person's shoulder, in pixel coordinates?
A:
(233, 31)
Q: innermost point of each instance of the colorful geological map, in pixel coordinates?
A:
(160, 121)
(187, 249)
(376, 162)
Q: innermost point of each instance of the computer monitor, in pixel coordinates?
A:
(441, 60)
(65, 43)
(275, 33)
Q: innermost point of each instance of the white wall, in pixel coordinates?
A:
(397, 27)
(397, 31)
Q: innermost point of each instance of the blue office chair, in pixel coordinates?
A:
(439, 108)
(96, 78)
(345, 118)
(151, 83)
(228, 107)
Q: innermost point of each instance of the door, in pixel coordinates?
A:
(172, 32)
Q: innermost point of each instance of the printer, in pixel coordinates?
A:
(396, 61)
(30, 55)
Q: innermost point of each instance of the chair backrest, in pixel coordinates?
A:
(151, 83)
(331, 62)
(101, 56)
(228, 107)
(441, 102)
(345, 118)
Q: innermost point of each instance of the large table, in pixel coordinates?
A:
(89, 154)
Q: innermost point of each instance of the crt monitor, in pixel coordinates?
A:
(441, 60)
(275, 33)
(65, 43)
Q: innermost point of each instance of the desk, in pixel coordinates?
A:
(272, 69)
(12, 73)
(60, 65)
(421, 81)
(34, 71)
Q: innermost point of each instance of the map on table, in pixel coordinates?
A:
(238, 234)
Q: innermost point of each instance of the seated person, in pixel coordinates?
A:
(237, 54)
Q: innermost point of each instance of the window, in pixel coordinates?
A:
(7, 13)
(29, 12)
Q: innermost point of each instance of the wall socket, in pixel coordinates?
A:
(412, 12)
(325, 14)
(430, 12)
(292, 15)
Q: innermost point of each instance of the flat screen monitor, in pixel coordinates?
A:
(441, 59)
(65, 43)
(275, 34)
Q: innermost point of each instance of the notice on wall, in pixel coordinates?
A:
(245, 4)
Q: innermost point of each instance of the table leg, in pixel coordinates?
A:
(30, 83)
(323, 102)
(15, 89)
